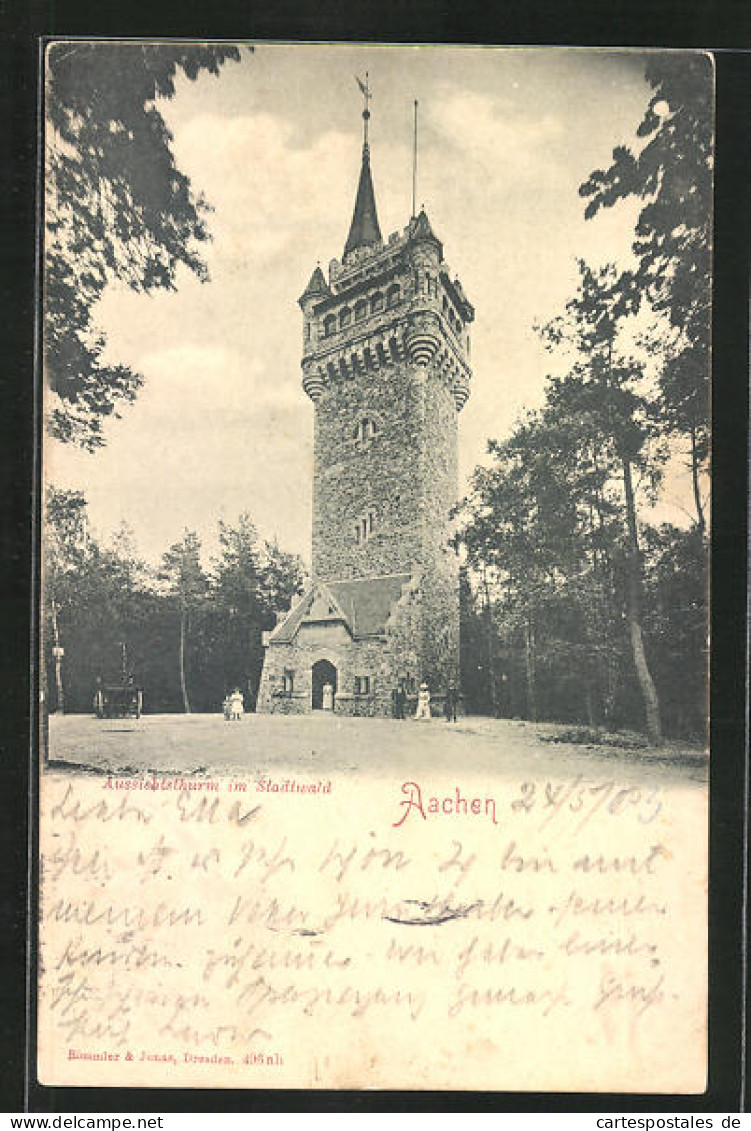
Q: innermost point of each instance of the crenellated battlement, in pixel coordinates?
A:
(423, 338)
(375, 308)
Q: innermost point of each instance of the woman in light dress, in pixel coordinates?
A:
(423, 702)
(234, 705)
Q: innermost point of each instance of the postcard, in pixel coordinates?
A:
(375, 558)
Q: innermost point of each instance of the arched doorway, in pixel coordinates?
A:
(323, 672)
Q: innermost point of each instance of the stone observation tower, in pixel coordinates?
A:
(386, 365)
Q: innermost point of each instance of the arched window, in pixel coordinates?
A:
(361, 309)
(345, 317)
(329, 325)
(376, 303)
(392, 294)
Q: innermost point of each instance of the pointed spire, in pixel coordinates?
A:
(420, 228)
(364, 230)
(317, 287)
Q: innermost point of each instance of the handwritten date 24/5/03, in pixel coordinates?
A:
(581, 800)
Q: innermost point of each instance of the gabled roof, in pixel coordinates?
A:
(316, 605)
(364, 230)
(362, 605)
(368, 601)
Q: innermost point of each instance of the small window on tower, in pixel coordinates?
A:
(376, 303)
(362, 685)
(329, 325)
(361, 309)
(288, 681)
(366, 430)
(365, 527)
(345, 318)
(393, 294)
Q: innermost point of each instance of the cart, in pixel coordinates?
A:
(118, 701)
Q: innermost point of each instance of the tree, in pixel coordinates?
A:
(605, 390)
(93, 595)
(534, 537)
(670, 168)
(253, 584)
(65, 546)
(181, 568)
(239, 594)
(117, 208)
(282, 576)
(676, 578)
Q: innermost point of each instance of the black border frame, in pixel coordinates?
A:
(688, 23)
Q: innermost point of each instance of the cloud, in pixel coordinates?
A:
(211, 434)
(265, 190)
(492, 131)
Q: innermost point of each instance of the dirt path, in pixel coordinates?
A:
(320, 744)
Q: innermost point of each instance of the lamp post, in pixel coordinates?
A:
(57, 654)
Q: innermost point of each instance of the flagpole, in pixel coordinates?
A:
(414, 165)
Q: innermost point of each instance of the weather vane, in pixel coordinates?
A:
(367, 95)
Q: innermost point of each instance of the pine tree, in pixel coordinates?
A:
(605, 390)
(188, 586)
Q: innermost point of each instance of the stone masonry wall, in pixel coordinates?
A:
(440, 582)
(353, 478)
(350, 658)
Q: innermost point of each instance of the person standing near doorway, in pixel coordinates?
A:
(423, 702)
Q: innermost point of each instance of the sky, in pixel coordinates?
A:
(506, 136)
